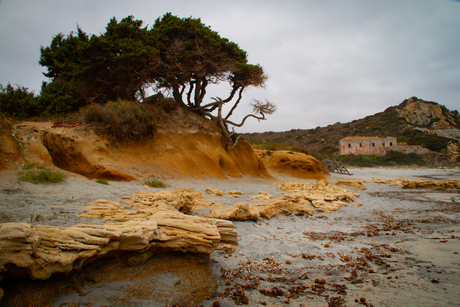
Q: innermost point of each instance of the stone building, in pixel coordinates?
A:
(367, 145)
(373, 145)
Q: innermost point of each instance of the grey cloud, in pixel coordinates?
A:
(328, 60)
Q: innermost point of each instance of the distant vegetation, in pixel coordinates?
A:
(393, 158)
(323, 142)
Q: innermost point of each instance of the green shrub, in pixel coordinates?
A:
(122, 120)
(298, 149)
(19, 102)
(327, 149)
(41, 176)
(60, 98)
(391, 159)
(234, 136)
(399, 158)
(102, 181)
(430, 141)
(155, 183)
(269, 147)
(313, 140)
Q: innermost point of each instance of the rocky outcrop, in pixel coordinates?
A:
(40, 251)
(426, 113)
(302, 199)
(299, 198)
(420, 184)
(294, 164)
(356, 184)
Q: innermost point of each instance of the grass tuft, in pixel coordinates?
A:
(39, 174)
(102, 181)
(155, 183)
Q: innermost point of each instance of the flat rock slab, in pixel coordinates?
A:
(445, 197)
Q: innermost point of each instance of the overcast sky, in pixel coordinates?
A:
(327, 60)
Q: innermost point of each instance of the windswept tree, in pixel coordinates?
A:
(192, 57)
(179, 55)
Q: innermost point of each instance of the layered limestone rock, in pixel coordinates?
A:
(302, 199)
(44, 250)
(151, 223)
(356, 184)
(420, 184)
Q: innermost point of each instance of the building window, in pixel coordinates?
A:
(360, 144)
(391, 144)
(373, 144)
(349, 145)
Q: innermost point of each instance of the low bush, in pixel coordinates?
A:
(391, 159)
(102, 181)
(269, 147)
(122, 120)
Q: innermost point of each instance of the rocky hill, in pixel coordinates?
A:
(414, 121)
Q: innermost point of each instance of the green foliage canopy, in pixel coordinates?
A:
(114, 65)
(192, 56)
(180, 55)
(18, 102)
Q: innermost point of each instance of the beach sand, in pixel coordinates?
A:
(399, 248)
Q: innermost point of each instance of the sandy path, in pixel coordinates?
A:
(400, 248)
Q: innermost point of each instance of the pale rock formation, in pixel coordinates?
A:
(217, 192)
(305, 199)
(357, 184)
(420, 184)
(214, 191)
(236, 212)
(320, 189)
(421, 113)
(44, 250)
(152, 223)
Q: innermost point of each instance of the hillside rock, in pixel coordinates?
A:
(422, 113)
